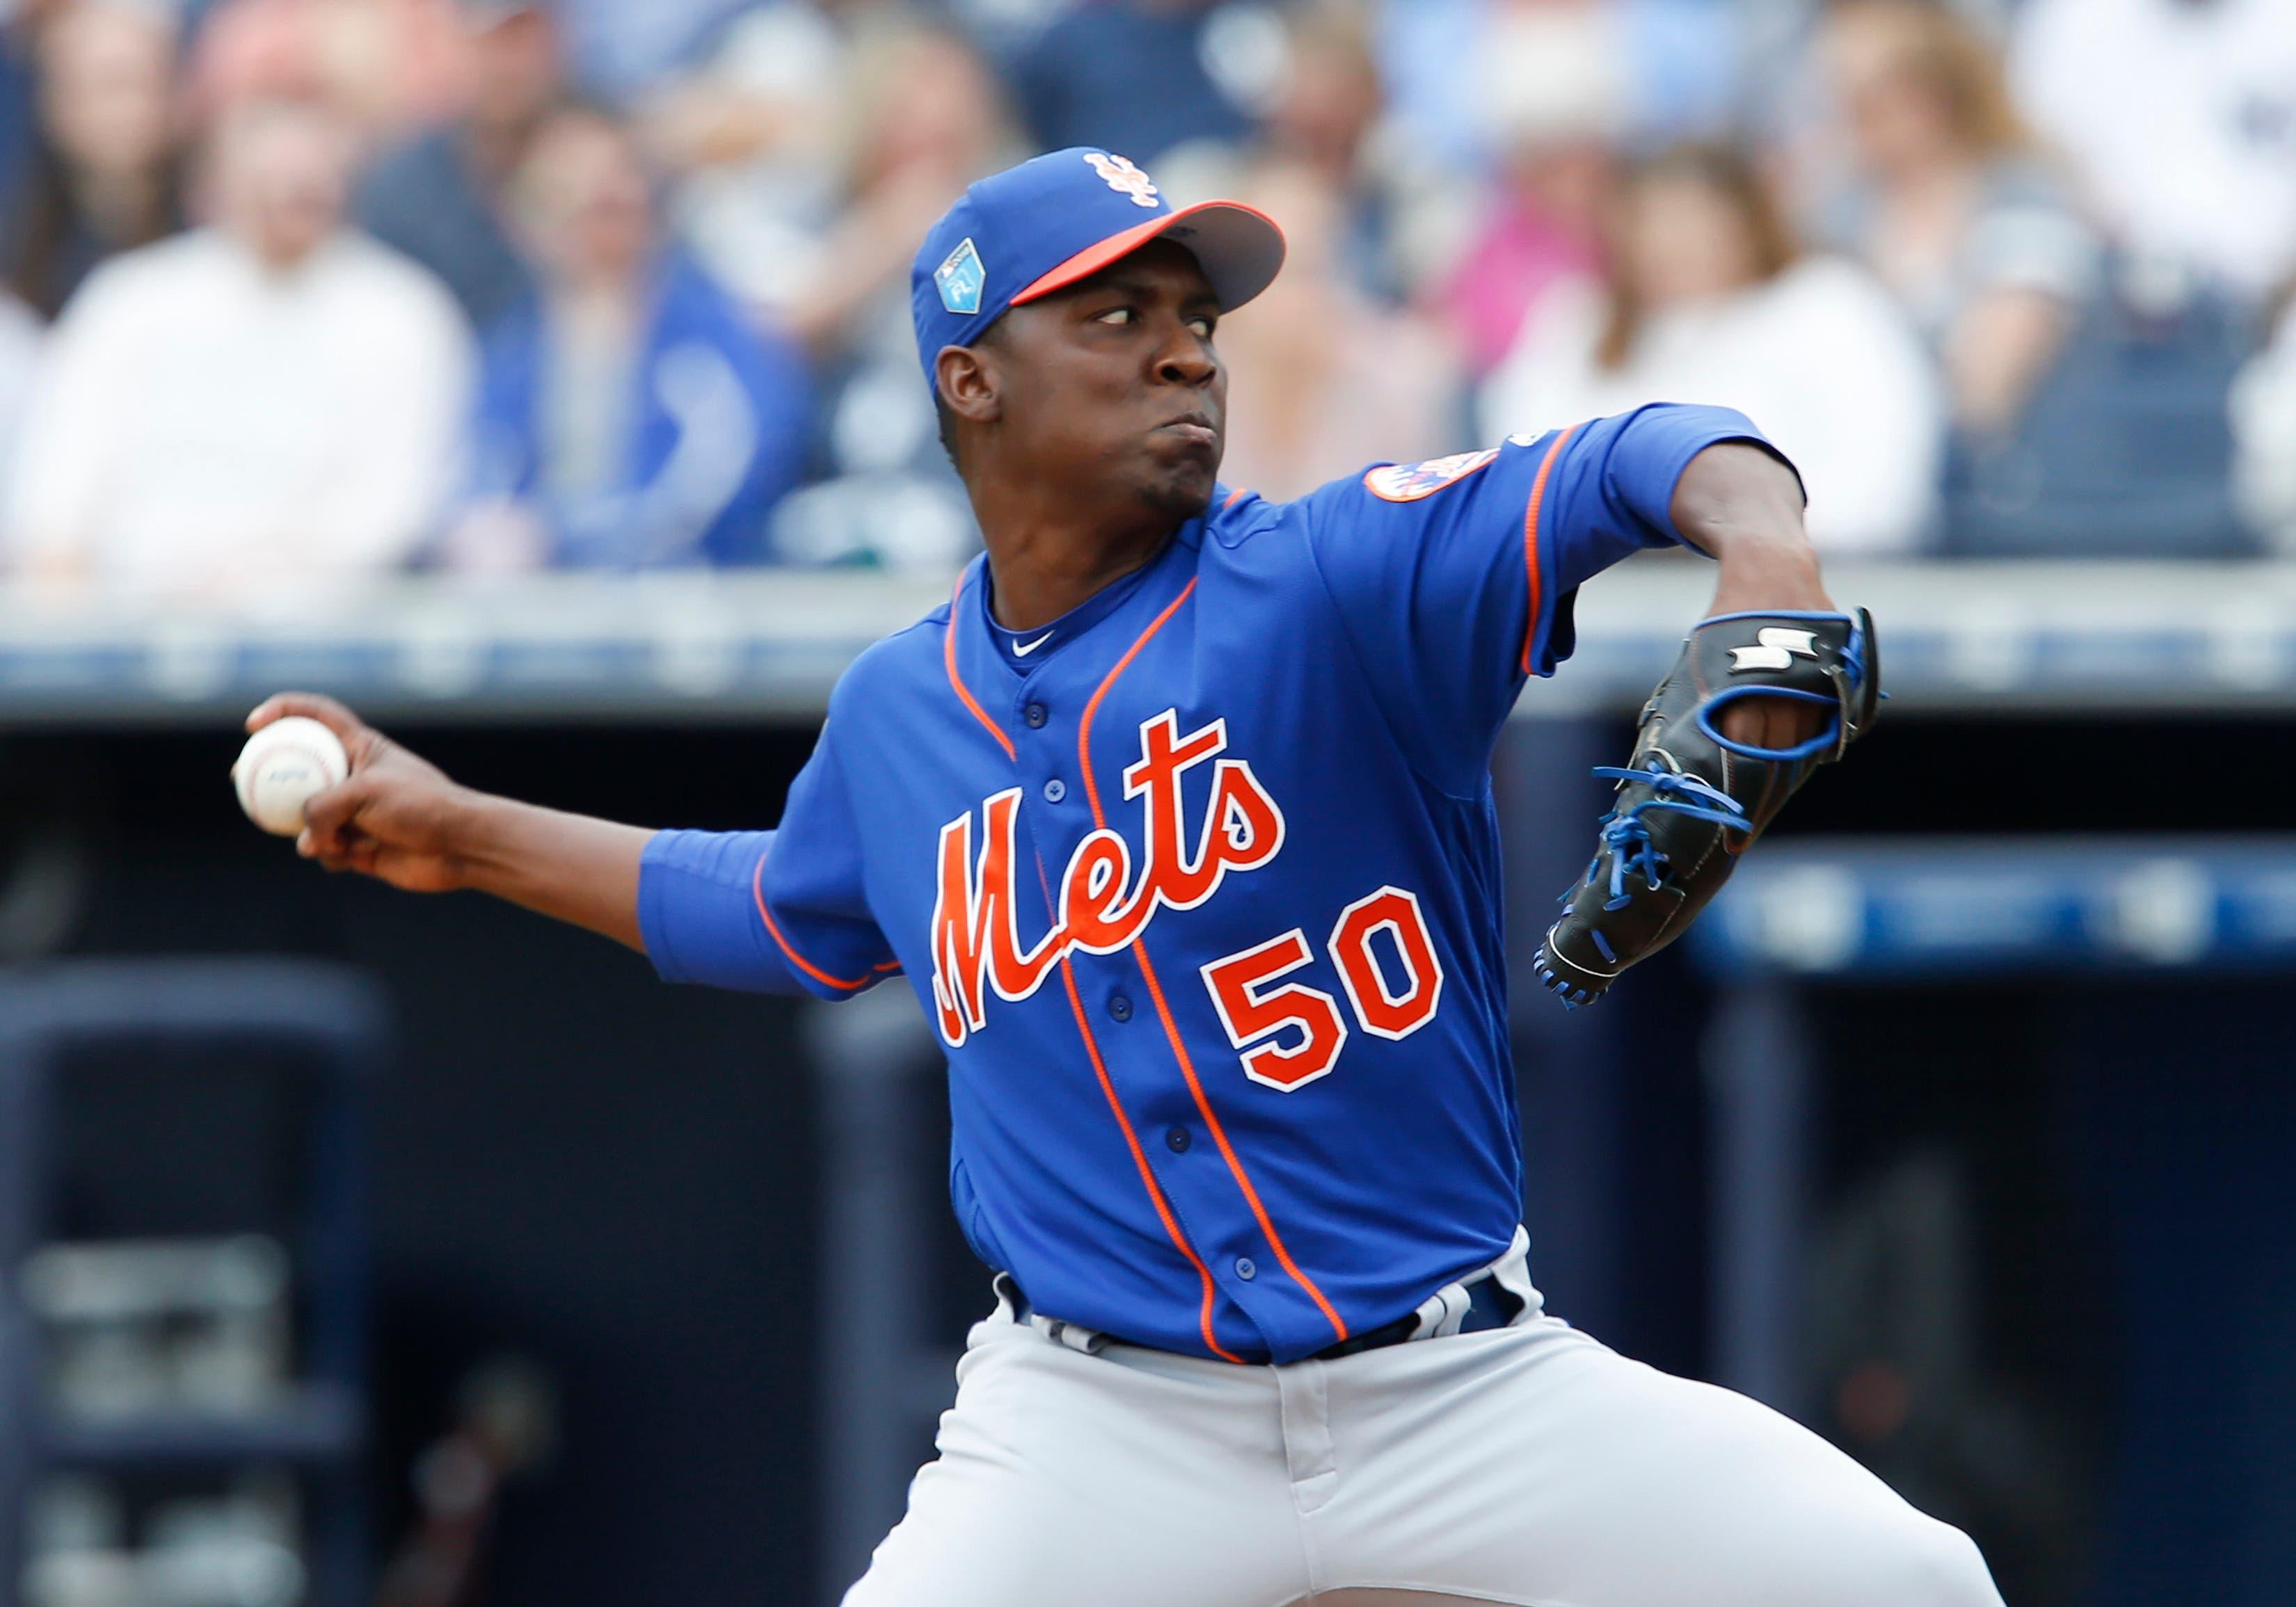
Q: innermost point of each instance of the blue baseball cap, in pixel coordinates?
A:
(1031, 230)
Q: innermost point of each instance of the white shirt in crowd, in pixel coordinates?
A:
(205, 424)
(2180, 117)
(21, 339)
(2263, 410)
(1820, 358)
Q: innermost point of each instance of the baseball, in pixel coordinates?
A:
(282, 766)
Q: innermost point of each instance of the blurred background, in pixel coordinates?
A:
(539, 376)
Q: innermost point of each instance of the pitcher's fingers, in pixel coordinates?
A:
(1747, 721)
(310, 705)
(351, 853)
(326, 857)
(326, 814)
(1775, 722)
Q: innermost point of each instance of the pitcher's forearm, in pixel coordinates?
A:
(1742, 506)
(570, 867)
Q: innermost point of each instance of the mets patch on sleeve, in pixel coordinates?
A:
(1409, 482)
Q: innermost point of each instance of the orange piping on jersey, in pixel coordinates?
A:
(1084, 730)
(1147, 1177)
(1530, 542)
(1227, 1152)
(1132, 1141)
(1156, 991)
(948, 657)
(758, 895)
(1235, 496)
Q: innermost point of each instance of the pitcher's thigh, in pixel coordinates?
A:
(1556, 1470)
(1062, 1479)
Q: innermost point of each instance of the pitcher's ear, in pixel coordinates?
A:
(968, 384)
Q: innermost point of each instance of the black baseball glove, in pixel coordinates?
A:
(1691, 800)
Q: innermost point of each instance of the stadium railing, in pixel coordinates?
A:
(1955, 635)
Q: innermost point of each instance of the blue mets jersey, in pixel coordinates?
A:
(1199, 886)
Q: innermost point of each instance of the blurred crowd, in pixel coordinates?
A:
(303, 288)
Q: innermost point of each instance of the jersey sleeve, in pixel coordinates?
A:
(766, 912)
(1454, 578)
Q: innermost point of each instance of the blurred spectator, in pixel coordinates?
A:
(1420, 44)
(1705, 300)
(755, 139)
(20, 32)
(1329, 111)
(103, 175)
(926, 122)
(1403, 210)
(385, 67)
(2181, 118)
(1551, 85)
(628, 417)
(21, 340)
(2264, 435)
(1667, 70)
(1321, 379)
(923, 119)
(1141, 77)
(1949, 206)
(621, 47)
(917, 118)
(1328, 97)
(437, 197)
(267, 398)
(1690, 64)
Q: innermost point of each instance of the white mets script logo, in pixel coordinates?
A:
(1103, 906)
(1775, 648)
(1123, 177)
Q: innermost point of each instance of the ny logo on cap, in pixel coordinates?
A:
(1123, 177)
(959, 279)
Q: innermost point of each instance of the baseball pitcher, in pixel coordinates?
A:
(1178, 820)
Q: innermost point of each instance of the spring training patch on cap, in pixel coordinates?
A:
(959, 278)
(1409, 482)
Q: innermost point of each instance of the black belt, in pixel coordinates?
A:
(1489, 1306)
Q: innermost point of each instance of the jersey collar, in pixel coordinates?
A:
(1073, 626)
(1091, 636)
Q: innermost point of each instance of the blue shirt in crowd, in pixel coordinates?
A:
(712, 417)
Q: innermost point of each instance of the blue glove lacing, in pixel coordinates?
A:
(1628, 839)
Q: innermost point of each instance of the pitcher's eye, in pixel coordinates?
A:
(1202, 326)
(1116, 315)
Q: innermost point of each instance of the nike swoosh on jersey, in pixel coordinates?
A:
(1019, 652)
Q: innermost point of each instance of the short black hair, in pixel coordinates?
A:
(944, 416)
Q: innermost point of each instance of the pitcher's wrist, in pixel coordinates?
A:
(478, 838)
(1767, 575)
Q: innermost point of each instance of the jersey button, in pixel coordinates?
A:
(1055, 790)
(1244, 1269)
(1035, 715)
(1119, 1006)
(1175, 1139)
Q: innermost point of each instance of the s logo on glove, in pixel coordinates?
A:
(1775, 649)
